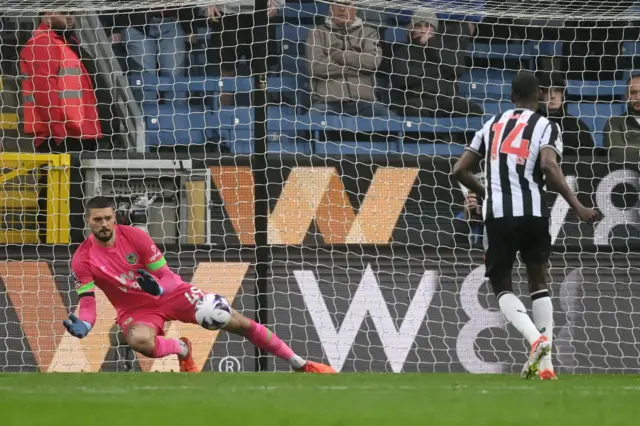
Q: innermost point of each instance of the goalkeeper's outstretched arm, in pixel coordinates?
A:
(80, 325)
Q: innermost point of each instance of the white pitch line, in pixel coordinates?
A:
(463, 388)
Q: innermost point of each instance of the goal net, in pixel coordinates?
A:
(298, 161)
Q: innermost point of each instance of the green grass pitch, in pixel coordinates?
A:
(212, 399)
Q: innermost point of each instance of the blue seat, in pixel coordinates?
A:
(305, 9)
(502, 50)
(293, 40)
(287, 144)
(294, 89)
(293, 37)
(396, 35)
(350, 148)
(319, 121)
(547, 48)
(481, 84)
(168, 125)
(236, 125)
(442, 125)
(496, 108)
(606, 89)
(149, 83)
(430, 148)
(596, 115)
(285, 123)
(631, 48)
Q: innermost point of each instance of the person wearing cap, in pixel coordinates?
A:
(422, 84)
(343, 57)
(576, 135)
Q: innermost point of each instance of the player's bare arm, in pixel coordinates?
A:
(463, 172)
(556, 181)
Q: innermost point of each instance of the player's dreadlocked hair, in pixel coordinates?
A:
(99, 202)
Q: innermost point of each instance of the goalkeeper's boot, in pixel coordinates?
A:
(547, 374)
(187, 364)
(316, 368)
(540, 348)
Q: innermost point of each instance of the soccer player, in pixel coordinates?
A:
(521, 149)
(127, 266)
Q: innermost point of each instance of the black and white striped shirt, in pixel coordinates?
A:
(511, 144)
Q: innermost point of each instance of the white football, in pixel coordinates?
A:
(213, 311)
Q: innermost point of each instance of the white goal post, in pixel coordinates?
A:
(328, 211)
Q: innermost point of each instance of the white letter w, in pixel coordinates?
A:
(368, 299)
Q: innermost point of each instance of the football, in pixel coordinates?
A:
(213, 311)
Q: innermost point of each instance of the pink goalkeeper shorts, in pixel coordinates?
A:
(177, 306)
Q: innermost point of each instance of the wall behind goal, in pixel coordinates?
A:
(370, 309)
(405, 202)
(368, 272)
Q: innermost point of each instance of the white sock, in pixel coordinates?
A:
(185, 349)
(515, 312)
(543, 318)
(296, 362)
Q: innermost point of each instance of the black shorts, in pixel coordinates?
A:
(505, 237)
(232, 40)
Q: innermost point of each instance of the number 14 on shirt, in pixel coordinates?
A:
(507, 145)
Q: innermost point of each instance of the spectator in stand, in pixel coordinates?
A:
(232, 36)
(155, 39)
(343, 56)
(622, 133)
(422, 82)
(456, 33)
(60, 107)
(576, 135)
(59, 100)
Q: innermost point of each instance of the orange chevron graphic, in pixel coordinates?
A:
(236, 188)
(38, 304)
(318, 194)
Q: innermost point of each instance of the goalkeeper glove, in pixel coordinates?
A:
(76, 327)
(149, 284)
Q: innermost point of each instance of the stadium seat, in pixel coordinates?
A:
(495, 108)
(308, 9)
(481, 84)
(184, 86)
(631, 48)
(598, 90)
(293, 90)
(439, 149)
(167, 126)
(547, 48)
(293, 37)
(504, 51)
(442, 125)
(595, 115)
(350, 148)
(293, 40)
(396, 34)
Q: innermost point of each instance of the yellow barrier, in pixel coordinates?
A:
(23, 180)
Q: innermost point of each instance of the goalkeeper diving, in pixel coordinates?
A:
(125, 263)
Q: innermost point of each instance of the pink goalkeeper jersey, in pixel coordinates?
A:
(113, 269)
